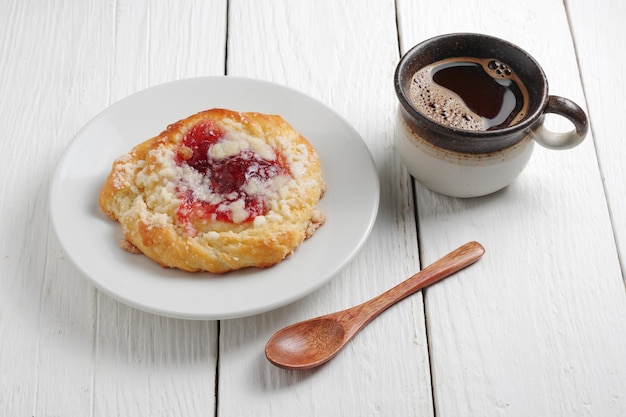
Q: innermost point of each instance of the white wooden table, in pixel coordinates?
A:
(535, 328)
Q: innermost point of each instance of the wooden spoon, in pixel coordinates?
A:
(310, 343)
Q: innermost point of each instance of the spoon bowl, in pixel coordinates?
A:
(312, 342)
(321, 337)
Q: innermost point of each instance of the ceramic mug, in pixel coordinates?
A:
(460, 162)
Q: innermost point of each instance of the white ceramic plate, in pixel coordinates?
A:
(90, 239)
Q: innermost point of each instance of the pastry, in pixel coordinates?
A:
(217, 191)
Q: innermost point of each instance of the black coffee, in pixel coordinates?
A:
(470, 93)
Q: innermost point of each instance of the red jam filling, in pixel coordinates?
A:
(228, 177)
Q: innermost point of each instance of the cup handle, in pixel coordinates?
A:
(563, 140)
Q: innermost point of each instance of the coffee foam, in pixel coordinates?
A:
(446, 107)
(440, 104)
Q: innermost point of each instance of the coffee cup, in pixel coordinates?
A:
(471, 107)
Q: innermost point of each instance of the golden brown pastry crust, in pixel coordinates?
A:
(193, 210)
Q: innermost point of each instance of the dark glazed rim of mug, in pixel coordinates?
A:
(481, 46)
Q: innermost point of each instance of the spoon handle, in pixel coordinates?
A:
(454, 261)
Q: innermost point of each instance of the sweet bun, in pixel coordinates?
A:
(217, 191)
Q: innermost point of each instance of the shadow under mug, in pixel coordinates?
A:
(467, 163)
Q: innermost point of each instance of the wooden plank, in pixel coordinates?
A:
(351, 70)
(46, 310)
(67, 349)
(147, 365)
(533, 331)
(597, 35)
